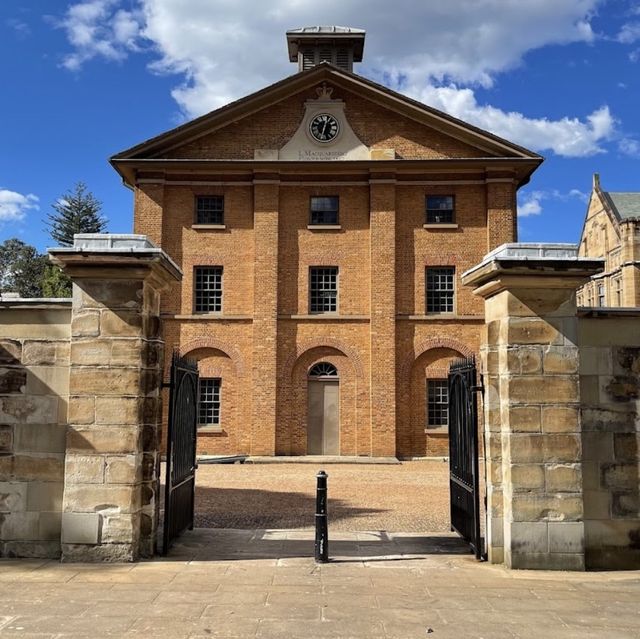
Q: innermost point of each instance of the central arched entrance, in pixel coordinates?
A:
(323, 414)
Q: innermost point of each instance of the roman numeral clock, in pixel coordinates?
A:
(324, 127)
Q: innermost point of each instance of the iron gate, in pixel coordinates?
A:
(464, 475)
(180, 482)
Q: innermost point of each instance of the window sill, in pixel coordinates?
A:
(437, 430)
(209, 227)
(440, 317)
(440, 226)
(210, 429)
(327, 317)
(218, 317)
(324, 227)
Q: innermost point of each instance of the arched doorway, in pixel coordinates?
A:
(323, 414)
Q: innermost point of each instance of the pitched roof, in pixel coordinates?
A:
(493, 145)
(624, 205)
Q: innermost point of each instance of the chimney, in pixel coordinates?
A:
(340, 46)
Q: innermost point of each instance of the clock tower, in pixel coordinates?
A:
(341, 46)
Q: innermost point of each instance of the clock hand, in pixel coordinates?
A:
(324, 128)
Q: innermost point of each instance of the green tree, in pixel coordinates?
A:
(55, 283)
(21, 268)
(77, 211)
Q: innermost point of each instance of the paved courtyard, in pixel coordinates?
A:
(411, 497)
(263, 584)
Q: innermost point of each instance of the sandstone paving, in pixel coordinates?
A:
(407, 586)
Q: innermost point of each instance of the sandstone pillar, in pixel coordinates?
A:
(383, 316)
(532, 370)
(265, 316)
(111, 489)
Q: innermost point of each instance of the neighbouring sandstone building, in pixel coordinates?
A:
(322, 225)
(612, 231)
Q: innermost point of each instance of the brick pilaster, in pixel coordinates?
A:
(265, 317)
(502, 225)
(383, 317)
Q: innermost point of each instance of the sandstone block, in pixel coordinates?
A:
(31, 549)
(80, 498)
(626, 504)
(13, 380)
(626, 360)
(45, 496)
(546, 561)
(13, 497)
(121, 324)
(563, 478)
(48, 380)
(123, 469)
(109, 293)
(597, 504)
(80, 528)
(523, 419)
(562, 448)
(28, 409)
(530, 331)
(21, 526)
(540, 390)
(560, 420)
(622, 388)
(595, 361)
(81, 410)
(118, 410)
(537, 507)
(6, 438)
(525, 448)
(128, 352)
(104, 381)
(560, 360)
(93, 352)
(10, 352)
(526, 477)
(620, 476)
(120, 529)
(523, 361)
(50, 526)
(84, 469)
(38, 467)
(627, 446)
(106, 439)
(527, 537)
(45, 353)
(85, 324)
(39, 438)
(597, 445)
(91, 553)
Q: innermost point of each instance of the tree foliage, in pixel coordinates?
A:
(77, 211)
(21, 268)
(55, 283)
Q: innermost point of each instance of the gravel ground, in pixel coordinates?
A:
(412, 497)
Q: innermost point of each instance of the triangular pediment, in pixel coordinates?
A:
(377, 123)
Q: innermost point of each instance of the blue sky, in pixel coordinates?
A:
(83, 80)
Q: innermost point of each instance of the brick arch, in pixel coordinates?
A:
(329, 342)
(211, 342)
(431, 343)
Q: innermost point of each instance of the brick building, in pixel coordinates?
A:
(611, 231)
(322, 224)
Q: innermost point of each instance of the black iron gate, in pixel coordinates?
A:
(180, 482)
(464, 475)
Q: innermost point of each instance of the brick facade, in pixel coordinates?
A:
(383, 343)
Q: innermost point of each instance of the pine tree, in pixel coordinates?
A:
(77, 211)
(55, 283)
(21, 268)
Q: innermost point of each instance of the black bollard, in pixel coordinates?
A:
(322, 530)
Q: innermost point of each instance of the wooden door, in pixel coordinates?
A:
(323, 426)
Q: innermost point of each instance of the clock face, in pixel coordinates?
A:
(324, 127)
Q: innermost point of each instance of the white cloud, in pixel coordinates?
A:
(21, 28)
(225, 49)
(14, 206)
(568, 136)
(530, 202)
(629, 33)
(629, 146)
(97, 28)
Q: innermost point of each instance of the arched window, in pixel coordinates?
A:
(323, 369)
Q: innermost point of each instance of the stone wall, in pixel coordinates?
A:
(34, 388)
(610, 402)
